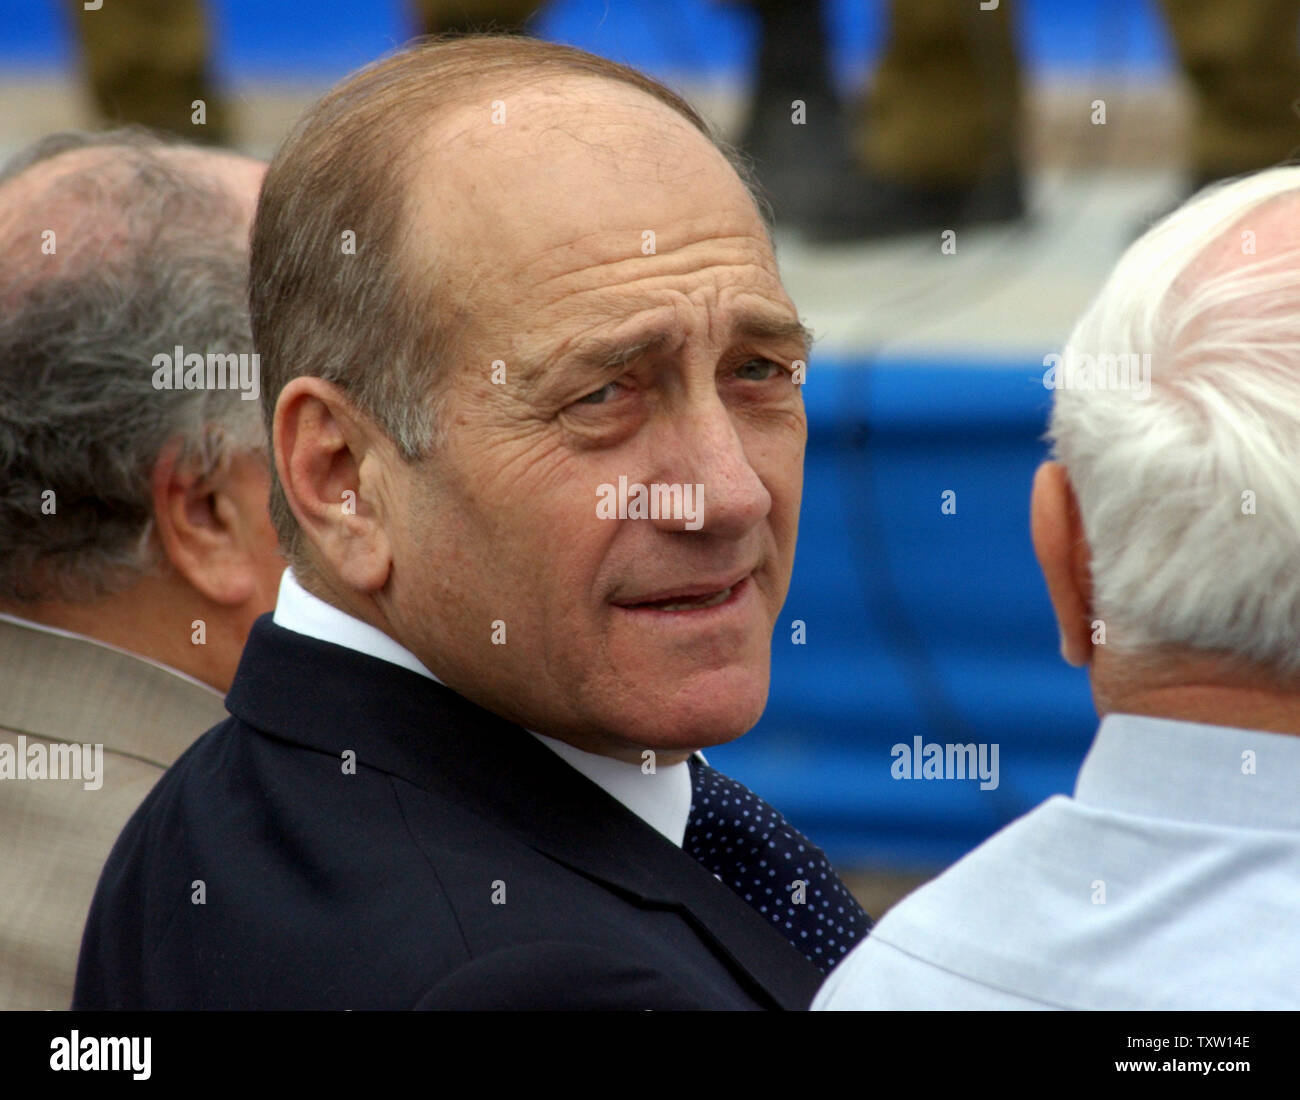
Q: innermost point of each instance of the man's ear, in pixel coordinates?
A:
(209, 529)
(1065, 559)
(322, 445)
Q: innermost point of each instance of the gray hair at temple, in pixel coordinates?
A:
(114, 248)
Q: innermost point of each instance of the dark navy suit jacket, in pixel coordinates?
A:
(462, 865)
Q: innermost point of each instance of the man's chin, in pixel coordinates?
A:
(692, 719)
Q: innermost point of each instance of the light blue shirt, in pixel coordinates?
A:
(1170, 880)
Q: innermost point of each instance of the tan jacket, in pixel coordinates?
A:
(55, 834)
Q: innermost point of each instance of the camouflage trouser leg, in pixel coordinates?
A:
(944, 104)
(1244, 64)
(147, 62)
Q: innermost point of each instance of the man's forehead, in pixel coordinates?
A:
(576, 205)
(556, 104)
(589, 150)
(563, 183)
(707, 280)
(612, 345)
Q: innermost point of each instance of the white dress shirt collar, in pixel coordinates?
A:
(298, 610)
(662, 799)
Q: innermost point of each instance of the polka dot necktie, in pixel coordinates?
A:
(782, 874)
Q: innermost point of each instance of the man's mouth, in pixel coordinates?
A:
(694, 604)
(694, 598)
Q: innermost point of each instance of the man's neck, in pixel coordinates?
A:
(1196, 688)
(152, 619)
(361, 608)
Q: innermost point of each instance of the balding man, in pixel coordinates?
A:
(1168, 531)
(135, 545)
(538, 437)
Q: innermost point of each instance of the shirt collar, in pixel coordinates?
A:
(297, 609)
(661, 798)
(1187, 771)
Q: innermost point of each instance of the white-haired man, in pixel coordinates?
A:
(1168, 531)
(135, 545)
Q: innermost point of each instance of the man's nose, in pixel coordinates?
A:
(706, 454)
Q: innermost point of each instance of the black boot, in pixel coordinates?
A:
(796, 132)
(872, 207)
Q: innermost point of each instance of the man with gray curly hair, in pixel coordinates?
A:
(135, 545)
(1168, 532)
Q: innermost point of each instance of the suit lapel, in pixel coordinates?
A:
(559, 812)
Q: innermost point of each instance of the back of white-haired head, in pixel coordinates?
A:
(1190, 495)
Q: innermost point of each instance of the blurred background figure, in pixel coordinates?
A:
(149, 62)
(934, 142)
(961, 184)
(1243, 64)
(475, 16)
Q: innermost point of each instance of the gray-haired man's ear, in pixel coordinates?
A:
(1065, 559)
(331, 463)
(214, 528)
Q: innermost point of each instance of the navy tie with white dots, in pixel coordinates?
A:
(782, 874)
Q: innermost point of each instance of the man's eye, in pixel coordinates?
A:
(766, 368)
(600, 396)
